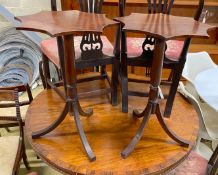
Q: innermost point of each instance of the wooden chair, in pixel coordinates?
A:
(139, 52)
(195, 164)
(10, 104)
(91, 50)
(12, 148)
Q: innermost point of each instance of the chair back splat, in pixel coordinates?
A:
(154, 6)
(162, 6)
(60, 43)
(91, 6)
(91, 44)
(10, 95)
(53, 5)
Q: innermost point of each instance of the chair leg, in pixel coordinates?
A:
(132, 69)
(213, 163)
(7, 129)
(24, 156)
(173, 88)
(81, 133)
(58, 73)
(46, 71)
(41, 74)
(124, 82)
(114, 81)
(170, 76)
(26, 163)
(103, 70)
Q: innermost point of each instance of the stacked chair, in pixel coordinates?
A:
(11, 105)
(207, 119)
(12, 148)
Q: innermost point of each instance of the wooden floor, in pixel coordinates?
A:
(108, 131)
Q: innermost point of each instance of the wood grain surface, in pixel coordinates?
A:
(164, 26)
(59, 23)
(108, 131)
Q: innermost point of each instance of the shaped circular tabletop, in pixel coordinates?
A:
(108, 131)
(164, 26)
(57, 23)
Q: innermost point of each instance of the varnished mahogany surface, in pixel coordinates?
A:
(108, 131)
(59, 23)
(164, 26)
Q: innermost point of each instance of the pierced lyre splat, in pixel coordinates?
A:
(91, 44)
(160, 6)
(91, 6)
(148, 47)
(154, 6)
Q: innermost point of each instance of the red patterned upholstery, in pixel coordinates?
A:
(50, 49)
(174, 48)
(193, 165)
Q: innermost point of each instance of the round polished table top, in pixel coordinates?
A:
(108, 131)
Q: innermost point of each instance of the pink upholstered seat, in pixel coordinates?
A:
(174, 48)
(50, 49)
(193, 165)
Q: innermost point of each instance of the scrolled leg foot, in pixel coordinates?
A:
(44, 131)
(169, 132)
(26, 163)
(139, 133)
(86, 113)
(82, 135)
(137, 114)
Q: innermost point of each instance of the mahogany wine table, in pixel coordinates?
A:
(108, 131)
(64, 25)
(162, 27)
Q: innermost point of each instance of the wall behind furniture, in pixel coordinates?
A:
(19, 8)
(24, 7)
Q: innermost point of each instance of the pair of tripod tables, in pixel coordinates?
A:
(108, 130)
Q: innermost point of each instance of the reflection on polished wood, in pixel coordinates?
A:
(60, 23)
(108, 131)
(164, 26)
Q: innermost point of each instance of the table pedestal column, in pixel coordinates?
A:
(153, 106)
(72, 104)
